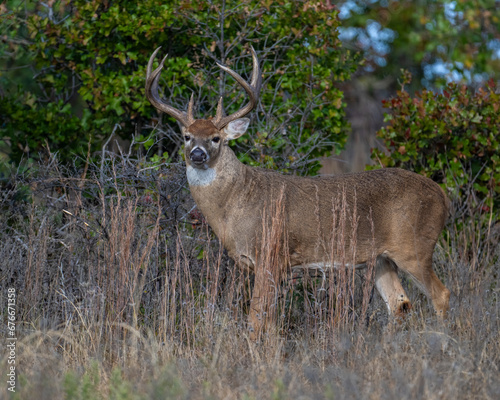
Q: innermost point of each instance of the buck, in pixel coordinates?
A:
(400, 214)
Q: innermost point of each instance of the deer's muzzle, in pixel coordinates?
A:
(198, 156)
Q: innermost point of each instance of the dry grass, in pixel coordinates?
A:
(124, 293)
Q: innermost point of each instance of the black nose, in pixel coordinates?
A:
(198, 155)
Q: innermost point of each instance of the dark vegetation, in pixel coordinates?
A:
(90, 60)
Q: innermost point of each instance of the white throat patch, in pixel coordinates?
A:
(200, 177)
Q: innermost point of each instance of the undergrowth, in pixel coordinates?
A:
(123, 292)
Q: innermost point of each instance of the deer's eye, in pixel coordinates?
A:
(187, 138)
(216, 139)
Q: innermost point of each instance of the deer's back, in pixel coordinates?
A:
(388, 208)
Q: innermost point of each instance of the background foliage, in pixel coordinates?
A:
(452, 137)
(436, 40)
(88, 58)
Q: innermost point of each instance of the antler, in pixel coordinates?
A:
(252, 89)
(152, 79)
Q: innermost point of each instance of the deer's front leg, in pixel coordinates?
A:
(257, 302)
(263, 303)
(258, 306)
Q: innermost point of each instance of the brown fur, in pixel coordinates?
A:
(204, 128)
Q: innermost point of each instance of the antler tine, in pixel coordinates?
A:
(252, 90)
(220, 111)
(152, 80)
(190, 117)
(256, 75)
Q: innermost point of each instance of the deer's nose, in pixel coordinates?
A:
(198, 155)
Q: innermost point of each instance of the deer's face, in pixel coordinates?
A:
(203, 141)
(202, 144)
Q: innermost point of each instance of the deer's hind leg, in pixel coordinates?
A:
(420, 269)
(389, 287)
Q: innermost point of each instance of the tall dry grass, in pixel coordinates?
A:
(124, 293)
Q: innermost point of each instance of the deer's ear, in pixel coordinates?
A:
(236, 128)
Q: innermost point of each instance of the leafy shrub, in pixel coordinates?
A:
(452, 137)
(89, 60)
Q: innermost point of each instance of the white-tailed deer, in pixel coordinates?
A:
(400, 214)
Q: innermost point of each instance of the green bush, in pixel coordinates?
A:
(452, 137)
(89, 60)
